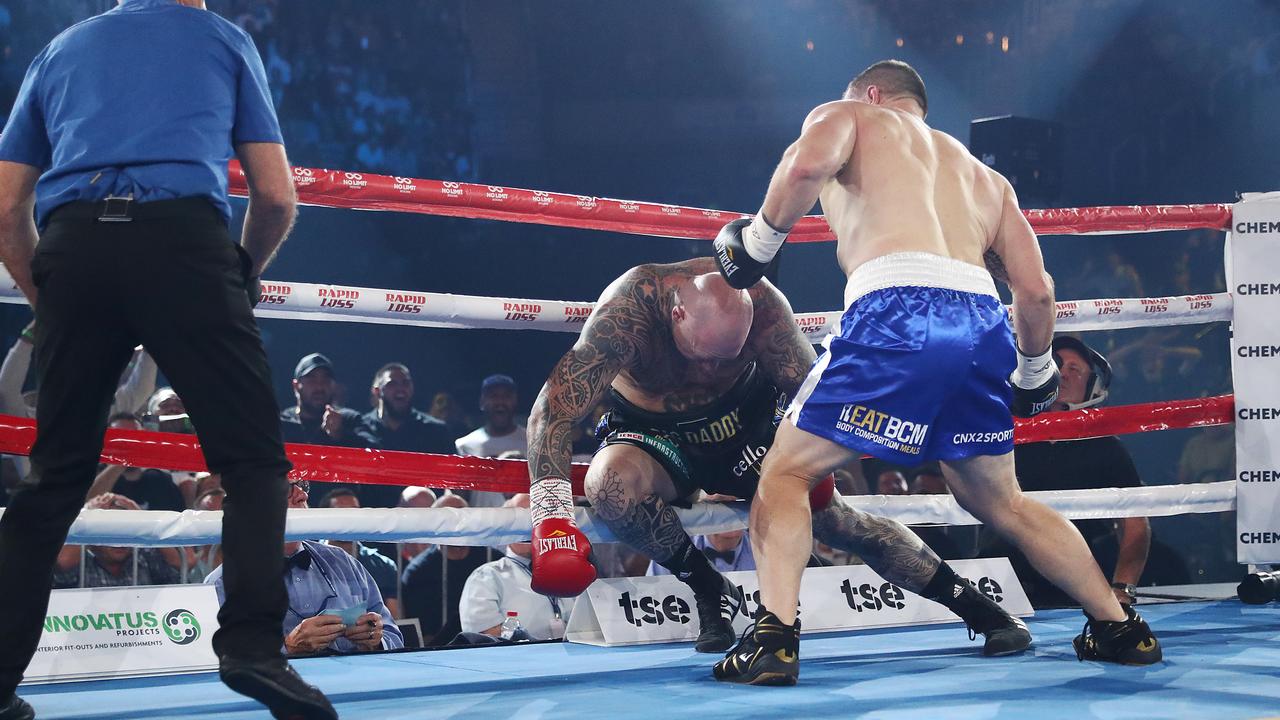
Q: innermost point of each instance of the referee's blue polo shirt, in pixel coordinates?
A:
(146, 99)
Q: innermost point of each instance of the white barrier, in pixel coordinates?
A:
(482, 527)
(641, 610)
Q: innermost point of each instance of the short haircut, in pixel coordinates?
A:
(388, 368)
(894, 78)
(335, 494)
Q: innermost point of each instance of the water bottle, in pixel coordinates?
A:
(511, 625)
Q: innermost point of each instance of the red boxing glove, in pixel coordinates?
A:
(822, 493)
(561, 558)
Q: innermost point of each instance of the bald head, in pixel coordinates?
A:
(519, 500)
(417, 497)
(449, 500)
(710, 320)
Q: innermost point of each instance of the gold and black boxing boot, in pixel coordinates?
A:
(767, 654)
(1129, 642)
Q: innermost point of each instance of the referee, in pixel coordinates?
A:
(119, 141)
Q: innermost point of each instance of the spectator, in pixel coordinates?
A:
(500, 432)
(379, 566)
(203, 559)
(314, 419)
(445, 409)
(1120, 546)
(891, 482)
(114, 566)
(502, 586)
(418, 497)
(727, 551)
(149, 489)
(394, 424)
(322, 580)
(166, 412)
(954, 542)
(431, 585)
(137, 383)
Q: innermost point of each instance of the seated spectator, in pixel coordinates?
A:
(1101, 462)
(166, 413)
(502, 586)
(394, 424)
(891, 482)
(423, 580)
(315, 419)
(418, 497)
(203, 559)
(379, 566)
(320, 580)
(114, 566)
(950, 542)
(150, 489)
(727, 551)
(500, 432)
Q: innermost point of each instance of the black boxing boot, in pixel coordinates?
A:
(272, 682)
(1004, 634)
(1130, 642)
(16, 709)
(715, 616)
(718, 600)
(767, 654)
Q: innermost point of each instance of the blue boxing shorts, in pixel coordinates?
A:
(919, 371)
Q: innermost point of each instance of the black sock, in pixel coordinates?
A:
(963, 599)
(693, 568)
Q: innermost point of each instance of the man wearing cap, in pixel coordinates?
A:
(500, 432)
(1121, 544)
(314, 419)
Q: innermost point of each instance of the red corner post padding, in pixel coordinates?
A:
(172, 451)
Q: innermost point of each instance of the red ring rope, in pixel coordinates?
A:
(142, 448)
(366, 191)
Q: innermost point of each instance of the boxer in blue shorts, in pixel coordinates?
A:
(925, 366)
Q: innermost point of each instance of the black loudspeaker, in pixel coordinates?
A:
(1027, 152)
(1259, 588)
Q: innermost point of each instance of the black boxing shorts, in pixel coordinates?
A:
(718, 448)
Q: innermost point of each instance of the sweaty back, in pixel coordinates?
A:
(909, 188)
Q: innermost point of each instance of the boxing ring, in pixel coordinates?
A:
(1220, 660)
(1220, 654)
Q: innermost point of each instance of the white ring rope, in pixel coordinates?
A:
(342, 303)
(481, 527)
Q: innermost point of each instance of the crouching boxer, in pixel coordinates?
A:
(698, 373)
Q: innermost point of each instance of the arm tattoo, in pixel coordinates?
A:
(887, 546)
(646, 524)
(611, 340)
(995, 266)
(783, 352)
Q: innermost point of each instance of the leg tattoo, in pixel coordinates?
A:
(887, 546)
(647, 524)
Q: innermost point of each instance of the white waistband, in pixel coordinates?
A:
(917, 269)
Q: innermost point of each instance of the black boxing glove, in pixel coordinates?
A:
(1035, 384)
(745, 250)
(252, 283)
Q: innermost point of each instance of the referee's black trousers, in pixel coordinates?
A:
(169, 279)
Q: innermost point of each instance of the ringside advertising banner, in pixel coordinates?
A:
(1254, 281)
(98, 633)
(640, 610)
